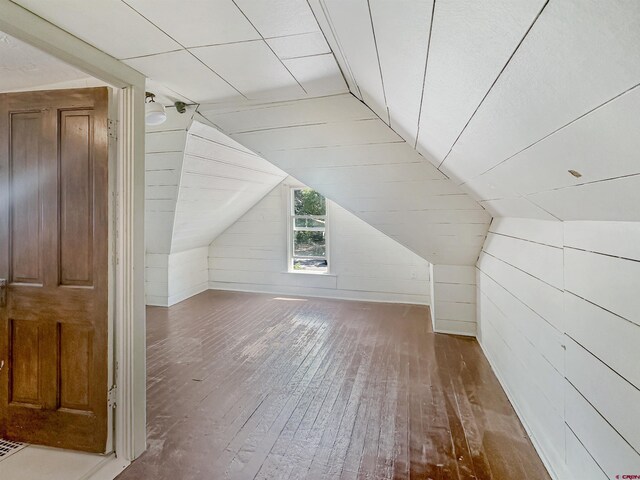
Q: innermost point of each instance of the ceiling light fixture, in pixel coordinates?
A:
(154, 112)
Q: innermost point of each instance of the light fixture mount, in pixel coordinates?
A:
(154, 112)
(181, 107)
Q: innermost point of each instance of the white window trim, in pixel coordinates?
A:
(290, 230)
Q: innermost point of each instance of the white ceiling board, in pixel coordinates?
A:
(183, 73)
(578, 55)
(610, 200)
(252, 68)
(388, 184)
(601, 145)
(470, 43)
(276, 18)
(385, 155)
(217, 187)
(199, 129)
(332, 134)
(196, 23)
(394, 174)
(351, 24)
(336, 108)
(109, 25)
(517, 207)
(301, 45)
(402, 35)
(23, 67)
(327, 29)
(204, 185)
(163, 94)
(318, 74)
(486, 187)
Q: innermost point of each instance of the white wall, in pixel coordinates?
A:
(220, 181)
(198, 182)
(453, 299)
(559, 320)
(175, 277)
(364, 263)
(339, 147)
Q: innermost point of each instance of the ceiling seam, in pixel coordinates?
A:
(188, 51)
(323, 7)
(560, 128)
(335, 59)
(424, 77)
(269, 47)
(495, 81)
(375, 45)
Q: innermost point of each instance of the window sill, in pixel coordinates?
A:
(300, 272)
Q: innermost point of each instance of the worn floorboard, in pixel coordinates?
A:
(252, 386)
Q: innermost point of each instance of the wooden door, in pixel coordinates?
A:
(54, 257)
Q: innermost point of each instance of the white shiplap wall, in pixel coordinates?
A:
(505, 96)
(559, 321)
(176, 277)
(164, 157)
(198, 182)
(220, 181)
(339, 147)
(365, 264)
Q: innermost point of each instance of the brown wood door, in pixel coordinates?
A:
(54, 257)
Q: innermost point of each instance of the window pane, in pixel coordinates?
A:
(309, 222)
(308, 202)
(309, 244)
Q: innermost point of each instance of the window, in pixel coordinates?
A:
(308, 249)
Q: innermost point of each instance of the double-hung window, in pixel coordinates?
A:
(308, 246)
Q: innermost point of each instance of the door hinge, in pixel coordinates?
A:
(112, 127)
(112, 395)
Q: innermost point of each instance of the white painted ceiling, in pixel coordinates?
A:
(339, 147)
(503, 97)
(506, 96)
(198, 183)
(208, 50)
(23, 67)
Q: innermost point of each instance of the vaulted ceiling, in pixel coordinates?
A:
(497, 100)
(198, 183)
(505, 96)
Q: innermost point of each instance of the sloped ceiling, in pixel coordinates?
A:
(208, 51)
(198, 183)
(339, 147)
(505, 96)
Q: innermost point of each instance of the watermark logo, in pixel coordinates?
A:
(628, 477)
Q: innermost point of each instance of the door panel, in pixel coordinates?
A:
(24, 178)
(53, 251)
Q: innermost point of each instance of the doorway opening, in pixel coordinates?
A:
(57, 239)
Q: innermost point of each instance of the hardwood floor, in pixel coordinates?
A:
(246, 386)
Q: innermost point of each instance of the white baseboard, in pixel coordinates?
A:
(364, 296)
(188, 293)
(107, 470)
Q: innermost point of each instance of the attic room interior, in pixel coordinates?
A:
(319, 239)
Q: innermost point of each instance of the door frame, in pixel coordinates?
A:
(127, 230)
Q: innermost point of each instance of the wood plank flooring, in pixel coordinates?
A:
(252, 386)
